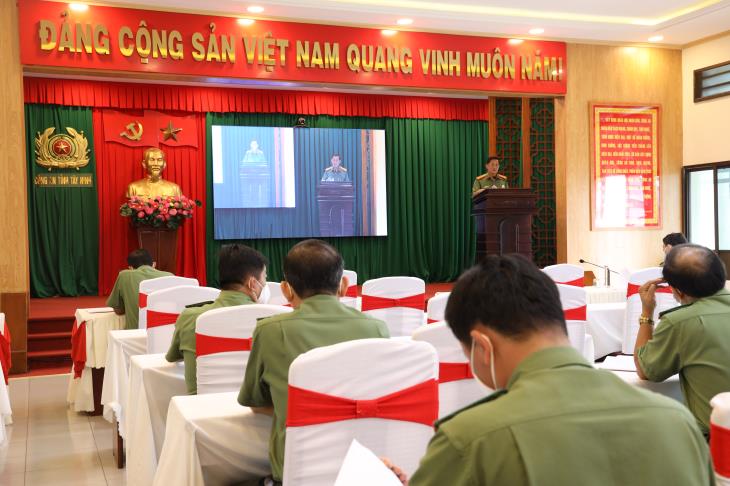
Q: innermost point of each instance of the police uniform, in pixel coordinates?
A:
(694, 341)
(320, 320)
(332, 174)
(183, 339)
(485, 181)
(125, 294)
(562, 422)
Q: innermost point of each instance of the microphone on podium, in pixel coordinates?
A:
(607, 271)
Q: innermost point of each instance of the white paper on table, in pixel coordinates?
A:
(363, 468)
(618, 363)
(99, 310)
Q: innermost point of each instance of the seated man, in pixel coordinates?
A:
(125, 294)
(672, 240)
(313, 283)
(692, 339)
(555, 419)
(242, 274)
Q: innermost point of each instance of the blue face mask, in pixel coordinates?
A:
(491, 365)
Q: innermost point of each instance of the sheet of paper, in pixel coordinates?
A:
(618, 363)
(99, 310)
(363, 468)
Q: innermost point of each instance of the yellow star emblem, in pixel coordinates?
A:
(170, 132)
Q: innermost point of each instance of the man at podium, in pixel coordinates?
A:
(492, 179)
(335, 172)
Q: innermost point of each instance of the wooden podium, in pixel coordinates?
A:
(336, 207)
(162, 245)
(504, 221)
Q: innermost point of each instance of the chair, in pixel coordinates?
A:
(223, 343)
(398, 301)
(276, 295)
(350, 299)
(457, 386)
(565, 273)
(573, 300)
(720, 437)
(664, 301)
(163, 308)
(382, 392)
(436, 307)
(146, 287)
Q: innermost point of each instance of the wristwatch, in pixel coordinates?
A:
(646, 320)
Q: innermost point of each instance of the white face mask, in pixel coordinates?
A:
(491, 365)
(265, 294)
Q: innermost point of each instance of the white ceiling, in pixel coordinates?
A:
(633, 21)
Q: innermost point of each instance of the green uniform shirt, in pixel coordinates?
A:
(485, 181)
(694, 341)
(335, 175)
(318, 321)
(562, 422)
(125, 294)
(182, 346)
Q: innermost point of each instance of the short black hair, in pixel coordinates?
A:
(336, 155)
(313, 267)
(491, 158)
(674, 239)
(139, 257)
(508, 294)
(237, 262)
(694, 270)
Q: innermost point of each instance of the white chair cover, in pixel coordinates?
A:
(351, 298)
(223, 371)
(456, 394)
(146, 287)
(276, 295)
(401, 321)
(720, 437)
(436, 307)
(664, 301)
(364, 369)
(172, 301)
(6, 413)
(565, 273)
(573, 300)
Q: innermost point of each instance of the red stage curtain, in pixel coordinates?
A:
(118, 165)
(197, 99)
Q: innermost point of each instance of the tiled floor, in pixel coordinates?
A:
(51, 445)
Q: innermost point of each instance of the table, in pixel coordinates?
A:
(155, 382)
(211, 439)
(88, 350)
(669, 387)
(605, 295)
(605, 324)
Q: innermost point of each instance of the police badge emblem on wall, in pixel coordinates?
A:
(61, 151)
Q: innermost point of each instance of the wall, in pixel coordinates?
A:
(705, 123)
(615, 74)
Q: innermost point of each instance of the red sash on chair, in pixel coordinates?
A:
(78, 347)
(577, 314)
(205, 345)
(431, 321)
(5, 355)
(370, 302)
(156, 319)
(142, 300)
(578, 282)
(418, 403)
(720, 449)
(454, 372)
(351, 291)
(633, 289)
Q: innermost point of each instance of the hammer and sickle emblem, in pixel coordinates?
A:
(134, 131)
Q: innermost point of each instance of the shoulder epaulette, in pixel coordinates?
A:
(344, 169)
(486, 399)
(199, 304)
(328, 169)
(500, 176)
(479, 178)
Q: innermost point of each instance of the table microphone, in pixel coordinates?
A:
(607, 271)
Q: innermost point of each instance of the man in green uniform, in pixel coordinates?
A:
(335, 172)
(555, 420)
(242, 273)
(692, 339)
(492, 179)
(125, 294)
(313, 282)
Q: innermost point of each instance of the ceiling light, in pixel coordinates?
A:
(78, 7)
(388, 32)
(515, 42)
(630, 50)
(255, 9)
(656, 38)
(245, 21)
(536, 31)
(404, 21)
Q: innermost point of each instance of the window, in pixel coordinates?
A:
(707, 205)
(712, 82)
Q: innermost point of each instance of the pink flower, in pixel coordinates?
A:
(159, 216)
(148, 210)
(173, 212)
(185, 212)
(140, 214)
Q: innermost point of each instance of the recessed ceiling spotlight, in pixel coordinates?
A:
(245, 21)
(656, 38)
(536, 31)
(515, 42)
(404, 21)
(388, 32)
(78, 7)
(255, 9)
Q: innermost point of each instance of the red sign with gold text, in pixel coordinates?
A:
(120, 39)
(625, 179)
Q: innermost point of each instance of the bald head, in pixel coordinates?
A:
(313, 267)
(694, 270)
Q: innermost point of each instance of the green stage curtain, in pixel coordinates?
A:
(62, 221)
(431, 165)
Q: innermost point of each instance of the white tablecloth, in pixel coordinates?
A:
(99, 322)
(211, 439)
(669, 387)
(605, 295)
(605, 325)
(123, 344)
(6, 413)
(152, 383)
